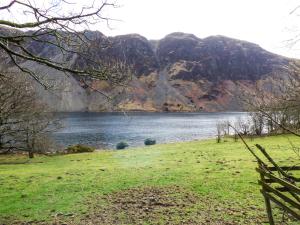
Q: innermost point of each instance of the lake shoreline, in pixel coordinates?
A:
(105, 130)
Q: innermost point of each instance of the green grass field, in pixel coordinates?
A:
(198, 182)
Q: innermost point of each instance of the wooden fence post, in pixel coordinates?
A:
(267, 200)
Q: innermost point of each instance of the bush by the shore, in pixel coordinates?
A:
(122, 145)
(79, 148)
(150, 141)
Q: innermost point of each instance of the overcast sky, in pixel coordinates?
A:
(268, 23)
(265, 22)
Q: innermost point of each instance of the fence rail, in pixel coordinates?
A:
(281, 188)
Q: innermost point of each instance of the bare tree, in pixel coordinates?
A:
(257, 123)
(36, 129)
(243, 126)
(277, 109)
(219, 132)
(223, 129)
(14, 102)
(24, 121)
(60, 24)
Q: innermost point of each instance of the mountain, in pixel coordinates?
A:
(180, 72)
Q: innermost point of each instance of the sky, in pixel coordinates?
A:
(268, 23)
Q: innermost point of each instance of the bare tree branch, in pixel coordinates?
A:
(58, 29)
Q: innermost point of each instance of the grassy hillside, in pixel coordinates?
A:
(199, 182)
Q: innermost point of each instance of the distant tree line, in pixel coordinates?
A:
(266, 122)
(278, 111)
(275, 111)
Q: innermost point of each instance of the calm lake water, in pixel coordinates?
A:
(107, 129)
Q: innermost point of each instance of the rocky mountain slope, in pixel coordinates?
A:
(180, 72)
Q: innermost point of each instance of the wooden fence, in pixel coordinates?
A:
(280, 186)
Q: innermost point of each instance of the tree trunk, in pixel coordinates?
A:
(30, 154)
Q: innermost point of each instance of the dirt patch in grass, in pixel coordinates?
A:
(162, 205)
(171, 205)
(150, 205)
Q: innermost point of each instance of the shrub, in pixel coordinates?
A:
(80, 148)
(149, 141)
(122, 145)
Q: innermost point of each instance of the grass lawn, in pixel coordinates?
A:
(198, 182)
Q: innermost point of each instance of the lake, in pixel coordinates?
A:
(105, 130)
